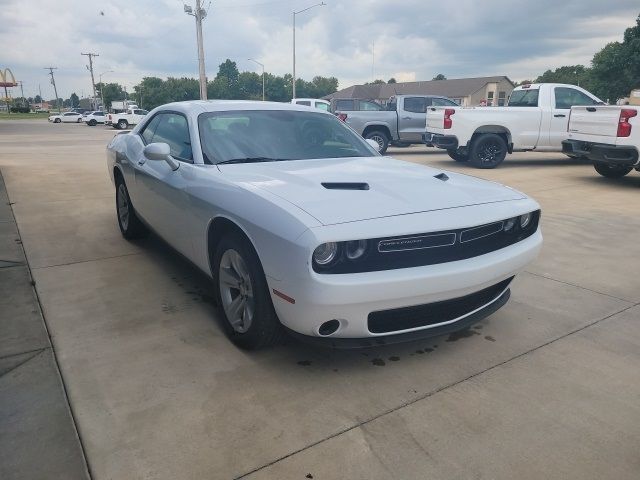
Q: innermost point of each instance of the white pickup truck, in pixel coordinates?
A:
(122, 121)
(609, 136)
(535, 118)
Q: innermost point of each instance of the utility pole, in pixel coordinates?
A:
(22, 93)
(199, 15)
(53, 81)
(93, 82)
(373, 61)
(262, 65)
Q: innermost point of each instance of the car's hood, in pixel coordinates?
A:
(394, 187)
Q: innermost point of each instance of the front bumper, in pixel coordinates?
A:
(618, 155)
(447, 142)
(352, 298)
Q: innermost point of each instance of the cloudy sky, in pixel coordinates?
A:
(414, 39)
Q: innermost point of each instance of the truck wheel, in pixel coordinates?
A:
(122, 124)
(488, 151)
(92, 123)
(57, 120)
(457, 156)
(611, 171)
(380, 138)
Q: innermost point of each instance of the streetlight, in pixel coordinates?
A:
(294, 41)
(102, 87)
(262, 65)
(199, 15)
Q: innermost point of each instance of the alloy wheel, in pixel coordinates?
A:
(123, 206)
(490, 152)
(236, 291)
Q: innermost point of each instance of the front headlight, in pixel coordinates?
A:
(525, 220)
(355, 249)
(326, 253)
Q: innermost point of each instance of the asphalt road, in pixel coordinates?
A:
(548, 387)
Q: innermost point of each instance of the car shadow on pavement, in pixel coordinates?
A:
(189, 281)
(517, 163)
(632, 180)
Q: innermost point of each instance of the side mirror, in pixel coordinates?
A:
(373, 144)
(160, 151)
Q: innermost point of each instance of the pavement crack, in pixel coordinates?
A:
(579, 286)
(86, 261)
(431, 393)
(35, 354)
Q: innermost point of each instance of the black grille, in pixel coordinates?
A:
(433, 247)
(386, 321)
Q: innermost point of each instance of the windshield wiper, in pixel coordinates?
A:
(249, 160)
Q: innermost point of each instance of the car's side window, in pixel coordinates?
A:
(150, 129)
(568, 97)
(344, 104)
(443, 102)
(173, 130)
(303, 102)
(415, 104)
(140, 112)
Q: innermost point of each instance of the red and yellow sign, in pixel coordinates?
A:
(7, 79)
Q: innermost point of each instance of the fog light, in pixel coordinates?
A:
(355, 249)
(325, 253)
(525, 220)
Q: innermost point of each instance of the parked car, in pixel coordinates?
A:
(123, 120)
(94, 118)
(402, 123)
(79, 110)
(305, 228)
(535, 118)
(609, 136)
(312, 102)
(66, 117)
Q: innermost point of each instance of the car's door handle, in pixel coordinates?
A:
(559, 115)
(406, 118)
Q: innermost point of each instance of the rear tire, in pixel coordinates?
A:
(122, 124)
(242, 294)
(129, 223)
(488, 150)
(57, 120)
(380, 138)
(457, 156)
(611, 171)
(92, 123)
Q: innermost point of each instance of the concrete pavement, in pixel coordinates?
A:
(38, 438)
(546, 387)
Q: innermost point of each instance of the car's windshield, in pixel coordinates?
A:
(524, 98)
(276, 135)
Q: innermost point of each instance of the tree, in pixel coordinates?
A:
(572, 74)
(110, 92)
(376, 82)
(75, 101)
(392, 80)
(439, 76)
(38, 99)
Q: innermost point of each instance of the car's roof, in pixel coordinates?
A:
(310, 99)
(195, 107)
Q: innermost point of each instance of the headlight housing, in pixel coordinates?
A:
(525, 220)
(326, 253)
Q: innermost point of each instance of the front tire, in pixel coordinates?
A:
(92, 123)
(611, 171)
(241, 289)
(57, 120)
(122, 124)
(488, 150)
(380, 138)
(457, 156)
(130, 225)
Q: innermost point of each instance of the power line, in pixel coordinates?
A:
(93, 82)
(53, 81)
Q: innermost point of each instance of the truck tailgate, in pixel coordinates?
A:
(435, 118)
(601, 121)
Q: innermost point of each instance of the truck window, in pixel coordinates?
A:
(370, 106)
(140, 112)
(443, 102)
(306, 103)
(568, 97)
(344, 105)
(524, 98)
(415, 104)
(173, 130)
(322, 106)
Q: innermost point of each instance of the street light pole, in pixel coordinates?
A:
(294, 41)
(102, 88)
(262, 65)
(199, 15)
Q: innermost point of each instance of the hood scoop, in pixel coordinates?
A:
(345, 185)
(442, 176)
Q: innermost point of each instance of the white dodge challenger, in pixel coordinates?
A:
(304, 228)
